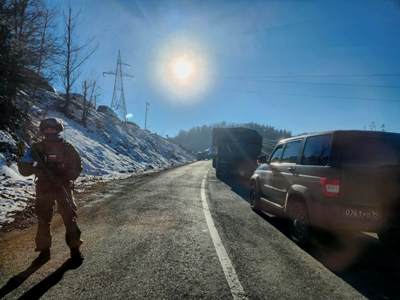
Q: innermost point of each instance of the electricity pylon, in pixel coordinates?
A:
(118, 98)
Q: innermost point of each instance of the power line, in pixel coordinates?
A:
(315, 75)
(330, 83)
(323, 96)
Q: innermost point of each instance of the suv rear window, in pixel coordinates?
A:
(376, 150)
(317, 150)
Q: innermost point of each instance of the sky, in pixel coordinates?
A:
(302, 65)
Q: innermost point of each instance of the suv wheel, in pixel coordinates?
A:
(299, 224)
(390, 238)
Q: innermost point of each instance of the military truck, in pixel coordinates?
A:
(236, 150)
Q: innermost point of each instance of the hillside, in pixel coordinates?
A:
(199, 138)
(109, 148)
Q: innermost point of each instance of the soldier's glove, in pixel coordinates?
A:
(37, 170)
(41, 171)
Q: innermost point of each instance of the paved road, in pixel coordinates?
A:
(153, 237)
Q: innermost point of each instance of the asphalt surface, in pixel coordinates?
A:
(147, 237)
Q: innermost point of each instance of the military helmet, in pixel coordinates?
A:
(51, 123)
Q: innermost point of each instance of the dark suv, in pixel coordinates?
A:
(333, 180)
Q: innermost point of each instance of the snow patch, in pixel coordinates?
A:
(110, 149)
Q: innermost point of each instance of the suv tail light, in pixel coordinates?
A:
(330, 187)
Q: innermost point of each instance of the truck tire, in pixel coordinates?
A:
(299, 222)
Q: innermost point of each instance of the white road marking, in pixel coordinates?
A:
(229, 271)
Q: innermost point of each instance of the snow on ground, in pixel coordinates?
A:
(109, 149)
(15, 191)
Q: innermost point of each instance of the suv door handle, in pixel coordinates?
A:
(291, 169)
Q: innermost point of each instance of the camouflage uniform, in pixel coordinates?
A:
(58, 164)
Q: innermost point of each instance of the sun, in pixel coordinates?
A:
(183, 69)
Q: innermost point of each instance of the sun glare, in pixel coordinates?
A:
(183, 71)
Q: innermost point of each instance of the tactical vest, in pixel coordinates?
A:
(54, 157)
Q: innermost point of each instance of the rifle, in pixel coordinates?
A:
(51, 176)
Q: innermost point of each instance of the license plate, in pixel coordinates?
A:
(361, 213)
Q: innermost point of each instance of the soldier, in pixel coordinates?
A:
(56, 165)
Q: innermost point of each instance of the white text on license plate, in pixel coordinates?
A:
(358, 213)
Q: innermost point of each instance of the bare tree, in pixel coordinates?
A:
(48, 49)
(25, 39)
(94, 92)
(85, 102)
(73, 56)
(372, 126)
(31, 29)
(89, 93)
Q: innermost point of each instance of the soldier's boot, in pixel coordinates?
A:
(43, 257)
(74, 245)
(74, 242)
(76, 258)
(76, 254)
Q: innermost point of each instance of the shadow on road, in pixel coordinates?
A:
(240, 186)
(360, 260)
(363, 262)
(42, 287)
(37, 291)
(15, 281)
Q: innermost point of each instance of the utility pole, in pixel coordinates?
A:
(118, 98)
(145, 114)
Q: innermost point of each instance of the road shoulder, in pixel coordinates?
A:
(267, 262)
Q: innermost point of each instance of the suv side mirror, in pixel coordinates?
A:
(262, 159)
